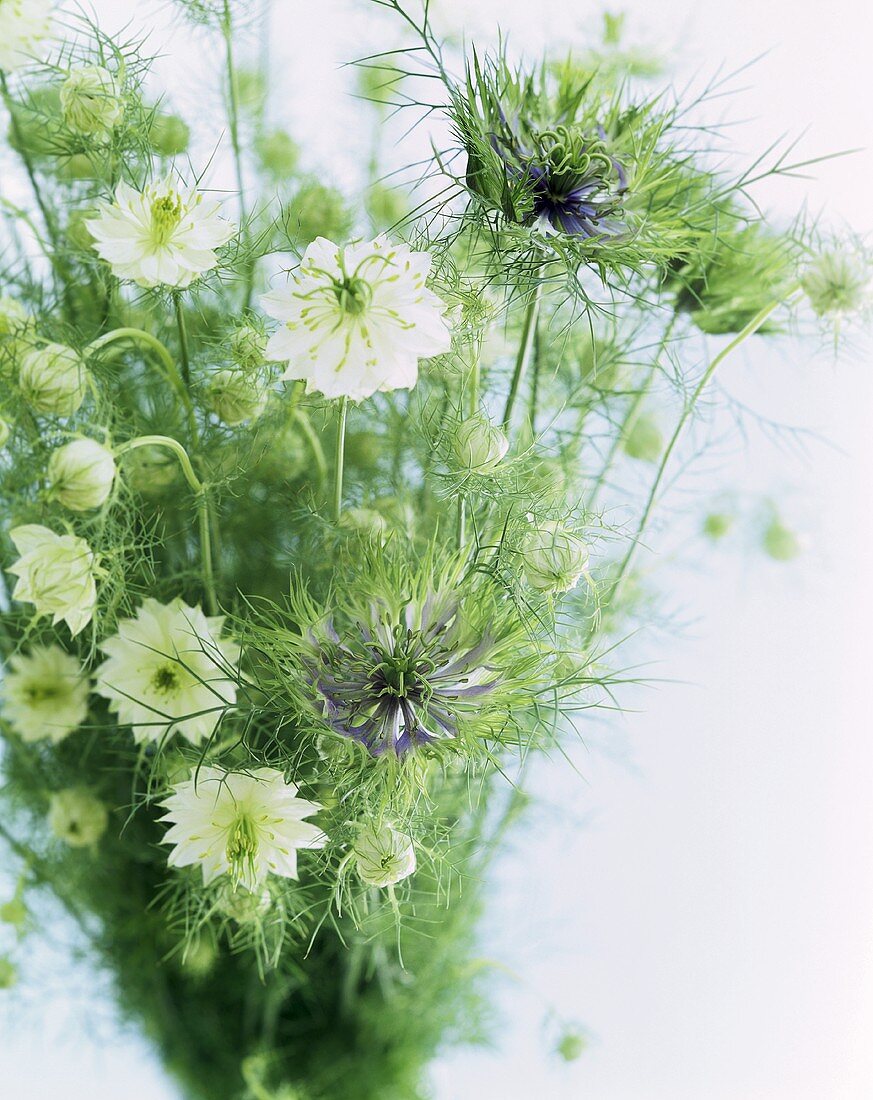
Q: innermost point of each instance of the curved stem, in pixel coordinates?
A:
(183, 340)
(201, 500)
(751, 328)
(633, 412)
(140, 336)
(527, 340)
(340, 458)
(233, 119)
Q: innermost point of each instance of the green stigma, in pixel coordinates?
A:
(242, 847)
(166, 215)
(354, 295)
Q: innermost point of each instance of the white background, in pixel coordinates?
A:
(701, 900)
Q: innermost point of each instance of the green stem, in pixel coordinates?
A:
(524, 350)
(751, 328)
(633, 412)
(340, 458)
(183, 340)
(535, 378)
(233, 119)
(53, 253)
(201, 500)
(171, 372)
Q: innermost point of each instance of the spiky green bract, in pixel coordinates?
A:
(569, 170)
(739, 270)
(411, 660)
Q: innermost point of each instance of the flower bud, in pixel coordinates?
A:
(571, 1045)
(5, 432)
(717, 524)
(169, 135)
(199, 958)
(235, 397)
(14, 912)
(837, 283)
(53, 379)
(383, 856)
(554, 558)
(56, 574)
(81, 474)
(242, 905)
(278, 154)
(90, 101)
(77, 817)
(479, 445)
(150, 471)
(316, 211)
(14, 318)
(247, 347)
(8, 973)
(366, 522)
(644, 440)
(780, 542)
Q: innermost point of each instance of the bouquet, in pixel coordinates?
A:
(321, 514)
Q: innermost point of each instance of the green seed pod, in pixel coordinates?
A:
(644, 441)
(91, 102)
(717, 524)
(169, 135)
(316, 211)
(278, 154)
(779, 542)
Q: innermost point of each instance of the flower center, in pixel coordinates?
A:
(166, 215)
(354, 295)
(40, 693)
(165, 679)
(242, 847)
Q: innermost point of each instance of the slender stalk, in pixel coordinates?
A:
(171, 371)
(535, 378)
(52, 253)
(340, 458)
(751, 328)
(233, 120)
(201, 501)
(183, 340)
(633, 412)
(524, 349)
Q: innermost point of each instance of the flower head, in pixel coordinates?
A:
(168, 670)
(838, 283)
(23, 26)
(45, 693)
(357, 319)
(399, 673)
(236, 397)
(81, 474)
(554, 558)
(90, 101)
(479, 445)
(53, 379)
(165, 235)
(245, 826)
(77, 817)
(383, 855)
(56, 574)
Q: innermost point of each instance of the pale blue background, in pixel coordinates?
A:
(702, 899)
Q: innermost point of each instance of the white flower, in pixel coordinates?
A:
(45, 693)
(167, 670)
(23, 26)
(554, 558)
(56, 574)
(53, 379)
(235, 397)
(244, 826)
(81, 474)
(357, 319)
(90, 100)
(480, 445)
(77, 817)
(163, 236)
(383, 856)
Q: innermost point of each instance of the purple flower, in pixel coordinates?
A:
(402, 678)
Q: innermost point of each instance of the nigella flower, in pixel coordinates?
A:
(568, 182)
(400, 676)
